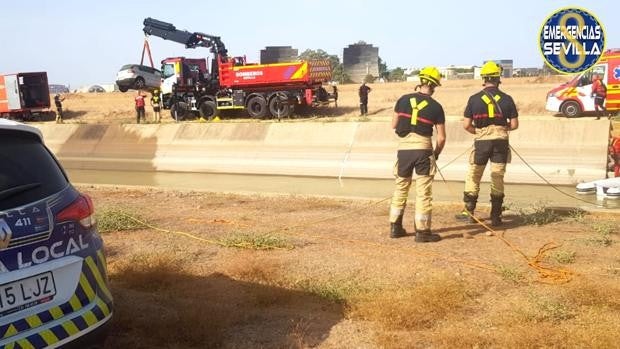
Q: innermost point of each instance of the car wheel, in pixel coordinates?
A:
(208, 110)
(139, 83)
(571, 109)
(123, 88)
(257, 107)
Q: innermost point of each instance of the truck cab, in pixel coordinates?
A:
(575, 97)
(182, 74)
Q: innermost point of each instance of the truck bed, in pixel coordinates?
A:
(302, 74)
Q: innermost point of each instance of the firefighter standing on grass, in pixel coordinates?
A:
(416, 116)
(490, 115)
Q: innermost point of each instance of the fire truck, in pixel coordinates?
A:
(24, 95)
(232, 82)
(575, 97)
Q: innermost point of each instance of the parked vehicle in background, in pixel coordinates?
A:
(24, 95)
(56, 88)
(575, 97)
(96, 89)
(137, 77)
(53, 285)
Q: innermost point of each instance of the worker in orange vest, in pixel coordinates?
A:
(599, 93)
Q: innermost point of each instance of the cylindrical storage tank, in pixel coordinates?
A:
(360, 60)
(278, 54)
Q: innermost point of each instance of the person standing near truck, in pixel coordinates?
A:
(58, 102)
(156, 104)
(335, 94)
(140, 107)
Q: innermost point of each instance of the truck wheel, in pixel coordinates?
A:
(279, 107)
(257, 107)
(571, 109)
(179, 111)
(208, 110)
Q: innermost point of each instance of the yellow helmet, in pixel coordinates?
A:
(431, 74)
(491, 69)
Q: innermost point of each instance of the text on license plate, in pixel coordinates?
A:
(25, 293)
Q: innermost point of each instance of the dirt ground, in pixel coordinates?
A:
(529, 94)
(235, 271)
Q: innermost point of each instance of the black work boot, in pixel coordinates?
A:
(470, 200)
(396, 228)
(426, 236)
(496, 209)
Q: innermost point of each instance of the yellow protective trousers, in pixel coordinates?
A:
(496, 151)
(425, 168)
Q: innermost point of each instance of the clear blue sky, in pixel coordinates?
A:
(84, 42)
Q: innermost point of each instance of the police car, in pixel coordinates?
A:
(53, 284)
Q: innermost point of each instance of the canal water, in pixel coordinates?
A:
(521, 195)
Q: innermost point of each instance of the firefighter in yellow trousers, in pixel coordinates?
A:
(490, 115)
(417, 114)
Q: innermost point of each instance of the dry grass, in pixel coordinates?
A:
(417, 306)
(334, 292)
(528, 93)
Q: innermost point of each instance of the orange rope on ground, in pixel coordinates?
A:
(546, 273)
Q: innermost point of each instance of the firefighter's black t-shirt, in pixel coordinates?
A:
(418, 113)
(490, 101)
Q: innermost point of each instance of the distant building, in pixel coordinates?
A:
(359, 60)
(278, 54)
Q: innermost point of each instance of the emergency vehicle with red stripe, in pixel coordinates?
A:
(575, 97)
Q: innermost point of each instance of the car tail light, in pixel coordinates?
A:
(80, 210)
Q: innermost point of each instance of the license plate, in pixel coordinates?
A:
(26, 293)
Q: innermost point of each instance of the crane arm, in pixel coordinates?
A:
(168, 31)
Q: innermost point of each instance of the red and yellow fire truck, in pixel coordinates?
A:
(232, 82)
(575, 97)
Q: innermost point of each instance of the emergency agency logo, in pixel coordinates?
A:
(572, 40)
(5, 234)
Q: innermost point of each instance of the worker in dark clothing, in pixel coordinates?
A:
(599, 93)
(140, 107)
(156, 104)
(489, 115)
(335, 95)
(417, 114)
(363, 92)
(58, 102)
